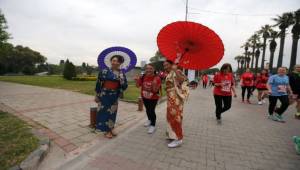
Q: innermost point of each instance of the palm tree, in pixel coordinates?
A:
(257, 54)
(283, 21)
(246, 47)
(253, 40)
(265, 32)
(238, 59)
(296, 33)
(273, 44)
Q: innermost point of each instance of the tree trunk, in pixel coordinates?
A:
(280, 56)
(256, 64)
(294, 52)
(263, 54)
(252, 60)
(271, 61)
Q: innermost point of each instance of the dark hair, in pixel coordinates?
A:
(169, 61)
(119, 58)
(226, 66)
(150, 64)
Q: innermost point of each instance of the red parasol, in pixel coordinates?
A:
(192, 45)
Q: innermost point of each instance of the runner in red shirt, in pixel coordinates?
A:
(204, 80)
(223, 90)
(247, 82)
(261, 85)
(150, 84)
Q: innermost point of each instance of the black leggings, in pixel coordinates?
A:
(150, 105)
(204, 85)
(249, 91)
(284, 104)
(223, 103)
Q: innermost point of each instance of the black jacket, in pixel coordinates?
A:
(294, 79)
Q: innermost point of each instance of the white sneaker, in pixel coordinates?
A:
(151, 129)
(147, 123)
(260, 103)
(264, 101)
(175, 143)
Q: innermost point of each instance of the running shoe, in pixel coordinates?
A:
(260, 103)
(279, 118)
(296, 140)
(175, 143)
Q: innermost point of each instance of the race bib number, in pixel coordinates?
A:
(226, 86)
(282, 88)
(147, 94)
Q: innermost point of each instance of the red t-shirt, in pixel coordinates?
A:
(205, 78)
(261, 82)
(227, 82)
(147, 83)
(247, 79)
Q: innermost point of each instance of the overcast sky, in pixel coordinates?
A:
(81, 29)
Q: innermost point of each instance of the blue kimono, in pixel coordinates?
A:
(108, 105)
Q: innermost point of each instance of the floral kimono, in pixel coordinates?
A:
(108, 99)
(177, 93)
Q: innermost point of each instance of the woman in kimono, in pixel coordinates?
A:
(177, 92)
(110, 84)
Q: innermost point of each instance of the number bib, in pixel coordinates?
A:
(282, 88)
(147, 94)
(226, 86)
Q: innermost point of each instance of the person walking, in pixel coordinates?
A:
(278, 89)
(247, 81)
(294, 78)
(204, 80)
(261, 85)
(177, 92)
(110, 84)
(150, 84)
(223, 90)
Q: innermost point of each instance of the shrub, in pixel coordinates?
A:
(69, 70)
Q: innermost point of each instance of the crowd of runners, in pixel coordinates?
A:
(281, 86)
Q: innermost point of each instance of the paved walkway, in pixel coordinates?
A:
(245, 140)
(60, 114)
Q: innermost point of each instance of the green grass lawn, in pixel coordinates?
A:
(86, 87)
(16, 141)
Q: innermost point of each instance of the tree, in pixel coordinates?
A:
(69, 70)
(296, 33)
(283, 22)
(61, 62)
(273, 44)
(239, 59)
(265, 32)
(246, 47)
(257, 53)
(157, 61)
(253, 41)
(4, 35)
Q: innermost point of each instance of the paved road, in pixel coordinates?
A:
(245, 140)
(62, 115)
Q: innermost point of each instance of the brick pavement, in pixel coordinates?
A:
(245, 140)
(60, 114)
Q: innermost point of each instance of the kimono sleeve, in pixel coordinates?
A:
(124, 83)
(99, 83)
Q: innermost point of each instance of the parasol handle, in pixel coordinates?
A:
(180, 56)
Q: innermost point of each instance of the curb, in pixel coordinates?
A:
(35, 158)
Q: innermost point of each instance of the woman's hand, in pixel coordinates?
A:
(136, 77)
(174, 67)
